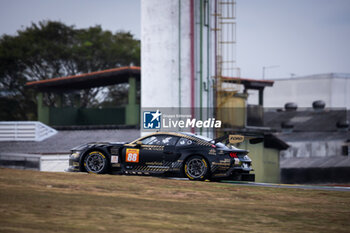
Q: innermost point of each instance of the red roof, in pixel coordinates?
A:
(84, 75)
(88, 80)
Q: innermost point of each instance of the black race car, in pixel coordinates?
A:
(174, 154)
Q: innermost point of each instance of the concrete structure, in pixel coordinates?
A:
(166, 53)
(332, 88)
(45, 163)
(184, 52)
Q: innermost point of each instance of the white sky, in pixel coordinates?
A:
(299, 36)
(113, 15)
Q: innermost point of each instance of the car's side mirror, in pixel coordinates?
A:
(139, 143)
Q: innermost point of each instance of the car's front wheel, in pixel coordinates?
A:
(96, 162)
(196, 168)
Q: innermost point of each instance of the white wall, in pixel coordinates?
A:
(332, 89)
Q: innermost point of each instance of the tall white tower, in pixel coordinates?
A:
(185, 46)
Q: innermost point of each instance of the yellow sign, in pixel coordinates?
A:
(233, 139)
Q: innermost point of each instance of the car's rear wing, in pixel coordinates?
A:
(236, 138)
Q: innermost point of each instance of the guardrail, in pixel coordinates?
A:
(25, 131)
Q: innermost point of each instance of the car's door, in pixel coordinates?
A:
(170, 154)
(161, 148)
(153, 153)
(152, 149)
(142, 152)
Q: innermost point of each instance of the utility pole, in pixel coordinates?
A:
(267, 67)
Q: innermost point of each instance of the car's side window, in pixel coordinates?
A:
(160, 140)
(169, 140)
(184, 142)
(153, 140)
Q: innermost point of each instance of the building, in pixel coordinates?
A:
(319, 143)
(332, 88)
(61, 114)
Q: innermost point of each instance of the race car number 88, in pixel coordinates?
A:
(132, 155)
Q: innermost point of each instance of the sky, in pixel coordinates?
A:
(113, 15)
(299, 37)
(288, 37)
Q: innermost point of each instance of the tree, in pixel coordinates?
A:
(52, 49)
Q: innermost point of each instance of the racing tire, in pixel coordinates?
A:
(96, 162)
(196, 168)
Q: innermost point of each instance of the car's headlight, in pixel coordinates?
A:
(75, 155)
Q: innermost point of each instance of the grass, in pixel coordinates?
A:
(76, 202)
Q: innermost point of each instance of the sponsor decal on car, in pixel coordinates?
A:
(114, 159)
(212, 152)
(233, 139)
(153, 147)
(132, 155)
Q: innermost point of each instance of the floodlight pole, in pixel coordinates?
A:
(267, 67)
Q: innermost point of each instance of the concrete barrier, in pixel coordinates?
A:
(49, 163)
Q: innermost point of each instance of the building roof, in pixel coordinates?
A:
(249, 83)
(317, 76)
(314, 162)
(88, 80)
(315, 136)
(306, 120)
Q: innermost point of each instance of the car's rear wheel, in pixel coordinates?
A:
(96, 162)
(196, 168)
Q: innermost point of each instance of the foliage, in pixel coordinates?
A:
(52, 49)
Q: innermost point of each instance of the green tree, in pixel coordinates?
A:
(52, 49)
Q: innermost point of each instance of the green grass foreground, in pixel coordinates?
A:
(76, 202)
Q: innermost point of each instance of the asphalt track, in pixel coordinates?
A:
(271, 185)
(295, 186)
